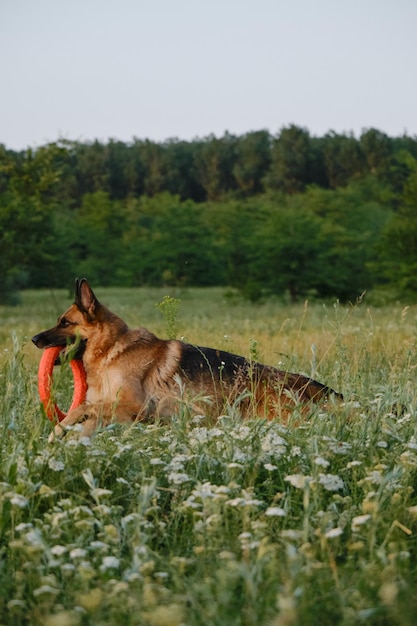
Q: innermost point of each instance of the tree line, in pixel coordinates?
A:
(288, 214)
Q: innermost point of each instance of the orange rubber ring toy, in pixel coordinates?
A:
(46, 366)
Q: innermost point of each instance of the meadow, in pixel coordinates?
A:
(236, 523)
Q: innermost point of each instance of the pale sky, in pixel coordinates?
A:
(158, 69)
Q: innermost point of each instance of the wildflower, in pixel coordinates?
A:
(55, 465)
(333, 532)
(374, 477)
(98, 545)
(21, 527)
(408, 459)
(340, 447)
(241, 432)
(46, 491)
(291, 533)
(274, 443)
(45, 590)
(18, 500)
(322, 462)
(353, 464)
(58, 550)
(236, 502)
(298, 481)
(275, 511)
(178, 478)
(359, 520)
(109, 562)
(221, 489)
(269, 467)
(78, 553)
(203, 434)
(98, 492)
(331, 482)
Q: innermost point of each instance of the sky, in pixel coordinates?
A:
(161, 69)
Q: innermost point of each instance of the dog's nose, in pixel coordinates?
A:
(35, 340)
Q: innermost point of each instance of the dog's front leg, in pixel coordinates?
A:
(88, 415)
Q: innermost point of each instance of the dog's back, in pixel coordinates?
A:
(263, 390)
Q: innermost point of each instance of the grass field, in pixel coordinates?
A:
(240, 523)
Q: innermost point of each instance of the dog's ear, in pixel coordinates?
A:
(85, 298)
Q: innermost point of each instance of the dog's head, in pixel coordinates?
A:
(75, 324)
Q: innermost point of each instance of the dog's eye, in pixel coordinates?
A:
(64, 323)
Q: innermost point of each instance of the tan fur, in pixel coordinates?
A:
(134, 375)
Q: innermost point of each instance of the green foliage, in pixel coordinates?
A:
(398, 247)
(26, 217)
(291, 151)
(169, 307)
(290, 215)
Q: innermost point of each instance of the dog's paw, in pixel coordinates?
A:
(57, 433)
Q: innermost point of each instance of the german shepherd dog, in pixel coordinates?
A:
(133, 375)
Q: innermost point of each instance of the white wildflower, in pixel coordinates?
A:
(322, 462)
(298, 481)
(375, 477)
(359, 520)
(21, 527)
(45, 590)
(18, 500)
(291, 533)
(270, 467)
(331, 482)
(55, 465)
(334, 532)
(221, 489)
(98, 545)
(58, 550)
(241, 432)
(109, 562)
(178, 478)
(340, 447)
(353, 464)
(274, 443)
(200, 435)
(253, 502)
(275, 511)
(78, 553)
(156, 461)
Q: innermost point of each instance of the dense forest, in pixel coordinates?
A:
(290, 214)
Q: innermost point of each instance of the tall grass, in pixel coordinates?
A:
(240, 523)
